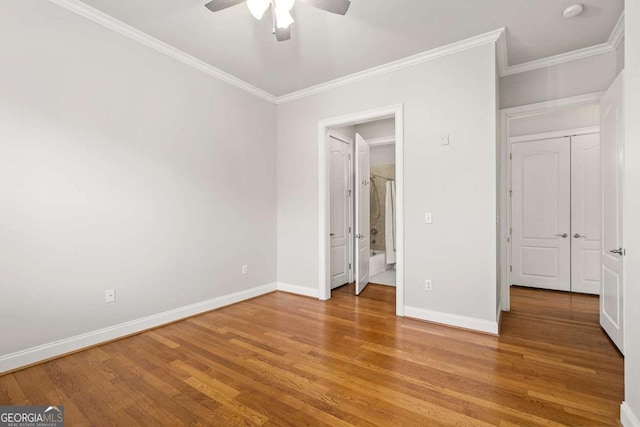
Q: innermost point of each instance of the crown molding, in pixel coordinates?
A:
(502, 55)
(552, 105)
(611, 45)
(430, 55)
(112, 23)
(498, 36)
(618, 33)
(558, 59)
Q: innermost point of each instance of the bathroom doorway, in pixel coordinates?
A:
(363, 208)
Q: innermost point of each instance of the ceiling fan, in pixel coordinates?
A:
(280, 11)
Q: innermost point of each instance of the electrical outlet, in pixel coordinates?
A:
(245, 269)
(110, 295)
(428, 286)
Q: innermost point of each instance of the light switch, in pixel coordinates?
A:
(427, 218)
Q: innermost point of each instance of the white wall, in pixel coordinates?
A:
(586, 75)
(121, 168)
(455, 94)
(348, 131)
(377, 129)
(620, 57)
(383, 155)
(572, 118)
(631, 229)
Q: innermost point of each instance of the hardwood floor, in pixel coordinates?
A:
(282, 359)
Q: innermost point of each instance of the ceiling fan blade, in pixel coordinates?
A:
(334, 6)
(216, 5)
(283, 34)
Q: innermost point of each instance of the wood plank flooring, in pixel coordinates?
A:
(282, 359)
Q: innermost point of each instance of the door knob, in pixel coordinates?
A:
(577, 236)
(359, 236)
(617, 251)
(563, 235)
(332, 234)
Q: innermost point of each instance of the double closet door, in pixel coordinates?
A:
(555, 214)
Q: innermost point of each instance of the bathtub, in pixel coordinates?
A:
(377, 263)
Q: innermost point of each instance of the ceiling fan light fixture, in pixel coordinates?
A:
(283, 18)
(280, 11)
(285, 4)
(258, 7)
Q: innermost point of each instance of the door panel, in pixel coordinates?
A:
(541, 214)
(585, 214)
(362, 213)
(340, 168)
(612, 264)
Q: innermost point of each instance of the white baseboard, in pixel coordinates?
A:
(627, 417)
(465, 322)
(40, 353)
(298, 290)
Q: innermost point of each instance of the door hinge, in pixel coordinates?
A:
(511, 268)
(510, 230)
(349, 266)
(349, 192)
(510, 156)
(510, 193)
(349, 230)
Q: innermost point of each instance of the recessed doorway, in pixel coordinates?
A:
(361, 217)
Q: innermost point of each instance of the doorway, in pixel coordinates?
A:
(362, 204)
(332, 252)
(609, 260)
(558, 119)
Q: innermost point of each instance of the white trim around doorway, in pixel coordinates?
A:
(506, 115)
(553, 135)
(324, 276)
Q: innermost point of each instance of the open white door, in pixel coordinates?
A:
(612, 253)
(585, 214)
(541, 214)
(340, 194)
(362, 213)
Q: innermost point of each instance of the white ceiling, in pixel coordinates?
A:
(374, 32)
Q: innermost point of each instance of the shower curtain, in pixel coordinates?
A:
(390, 222)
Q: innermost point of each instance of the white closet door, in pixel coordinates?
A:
(612, 253)
(340, 168)
(585, 214)
(541, 214)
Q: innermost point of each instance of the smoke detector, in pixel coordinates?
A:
(573, 10)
